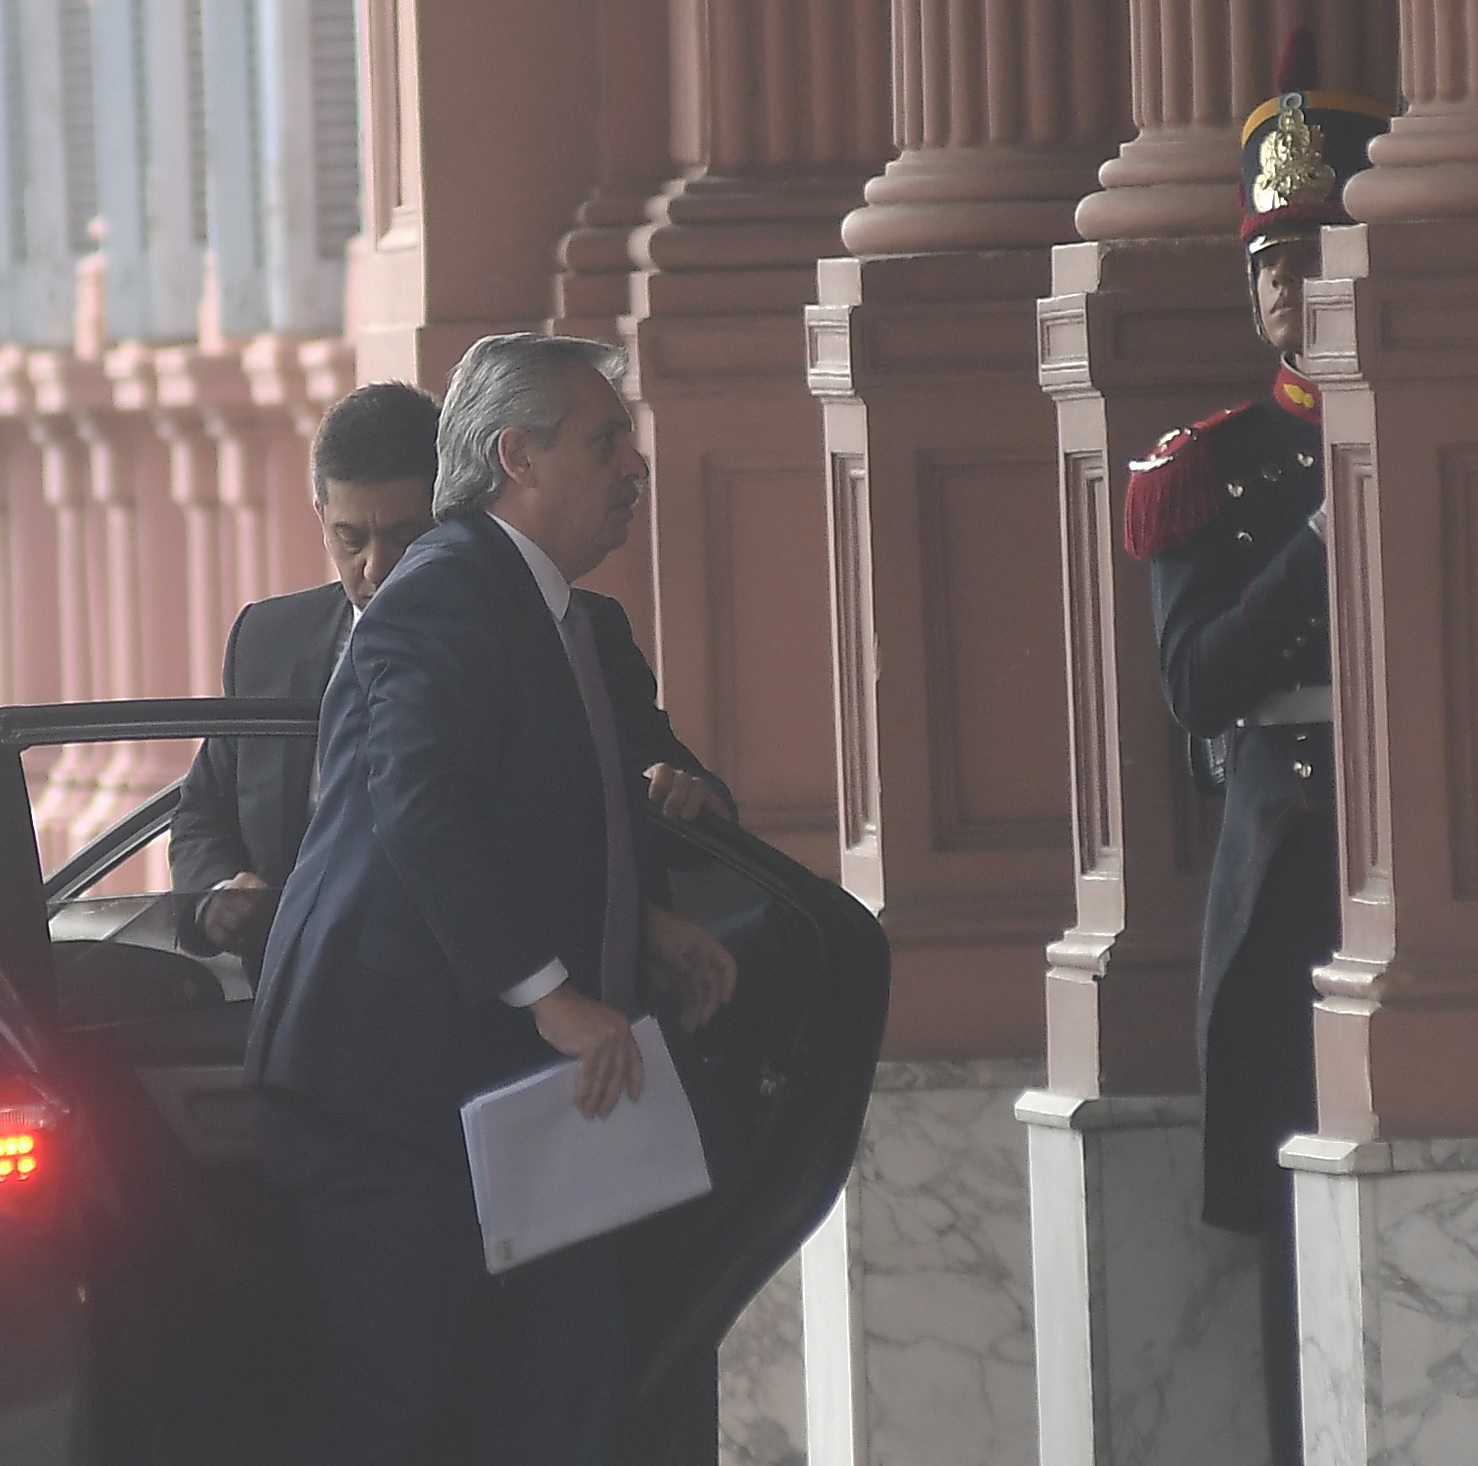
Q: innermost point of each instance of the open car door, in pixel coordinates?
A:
(189, 1341)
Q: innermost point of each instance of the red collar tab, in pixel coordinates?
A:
(1295, 393)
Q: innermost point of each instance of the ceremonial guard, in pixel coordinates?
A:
(1230, 514)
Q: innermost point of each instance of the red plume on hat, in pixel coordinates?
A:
(1300, 148)
(1298, 66)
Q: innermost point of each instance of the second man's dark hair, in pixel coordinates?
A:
(382, 431)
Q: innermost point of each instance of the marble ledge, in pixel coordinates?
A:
(1059, 1111)
(1335, 1157)
(903, 1076)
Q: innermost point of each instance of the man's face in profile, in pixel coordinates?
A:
(578, 495)
(368, 527)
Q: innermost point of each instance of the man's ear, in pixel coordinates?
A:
(513, 453)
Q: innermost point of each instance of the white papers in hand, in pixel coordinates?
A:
(544, 1176)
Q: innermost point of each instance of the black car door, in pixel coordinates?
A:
(195, 1327)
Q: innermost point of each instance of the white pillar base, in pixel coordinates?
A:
(1388, 1299)
(917, 1290)
(1147, 1321)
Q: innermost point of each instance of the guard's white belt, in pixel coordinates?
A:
(1299, 705)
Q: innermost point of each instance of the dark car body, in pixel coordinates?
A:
(152, 1309)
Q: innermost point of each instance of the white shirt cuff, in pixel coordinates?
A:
(541, 983)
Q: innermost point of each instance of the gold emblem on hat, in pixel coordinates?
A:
(1293, 170)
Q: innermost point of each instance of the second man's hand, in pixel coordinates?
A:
(228, 913)
(682, 795)
(600, 1038)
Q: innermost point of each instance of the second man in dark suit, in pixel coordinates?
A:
(245, 804)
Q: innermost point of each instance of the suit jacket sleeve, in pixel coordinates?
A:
(205, 839)
(645, 728)
(1227, 643)
(436, 664)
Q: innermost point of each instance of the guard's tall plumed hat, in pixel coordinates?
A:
(1300, 148)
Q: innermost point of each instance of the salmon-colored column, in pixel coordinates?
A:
(1386, 1228)
(477, 146)
(1392, 337)
(950, 711)
(778, 115)
(65, 386)
(591, 291)
(30, 646)
(30, 649)
(1199, 67)
(272, 469)
(210, 584)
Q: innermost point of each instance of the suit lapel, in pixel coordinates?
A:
(307, 677)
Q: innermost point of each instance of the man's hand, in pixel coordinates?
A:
(683, 795)
(689, 965)
(600, 1038)
(229, 916)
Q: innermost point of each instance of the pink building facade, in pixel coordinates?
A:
(904, 286)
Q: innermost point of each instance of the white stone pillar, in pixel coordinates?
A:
(47, 176)
(151, 165)
(281, 119)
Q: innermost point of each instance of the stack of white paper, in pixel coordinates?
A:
(544, 1176)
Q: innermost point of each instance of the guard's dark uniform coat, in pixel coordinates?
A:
(1240, 601)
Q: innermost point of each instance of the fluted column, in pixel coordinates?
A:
(189, 388)
(1387, 1234)
(778, 115)
(31, 597)
(508, 91)
(1199, 67)
(1426, 167)
(633, 142)
(1001, 109)
(948, 707)
(292, 383)
(64, 387)
(148, 546)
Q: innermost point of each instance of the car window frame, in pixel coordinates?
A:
(26, 894)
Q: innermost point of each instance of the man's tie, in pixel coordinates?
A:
(618, 943)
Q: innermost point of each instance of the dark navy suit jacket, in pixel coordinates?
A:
(244, 804)
(458, 844)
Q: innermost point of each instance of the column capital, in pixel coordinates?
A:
(1003, 112)
(1198, 70)
(1426, 167)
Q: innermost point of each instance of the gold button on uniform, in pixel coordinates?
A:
(1235, 489)
(1305, 460)
(1302, 769)
(1243, 537)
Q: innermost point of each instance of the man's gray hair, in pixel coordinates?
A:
(504, 382)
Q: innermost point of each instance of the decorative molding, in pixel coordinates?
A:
(956, 827)
(1090, 660)
(1361, 673)
(856, 654)
(1459, 481)
(1062, 343)
(829, 351)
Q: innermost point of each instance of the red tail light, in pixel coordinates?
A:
(29, 1142)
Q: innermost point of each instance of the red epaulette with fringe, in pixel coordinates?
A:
(1175, 491)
